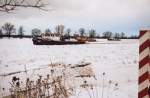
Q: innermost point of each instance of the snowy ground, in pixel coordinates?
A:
(118, 59)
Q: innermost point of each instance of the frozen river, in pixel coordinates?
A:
(118, 59)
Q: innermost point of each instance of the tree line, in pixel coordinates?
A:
(9, 30)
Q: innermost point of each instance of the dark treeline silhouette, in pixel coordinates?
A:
(122, 35)
(9, 30)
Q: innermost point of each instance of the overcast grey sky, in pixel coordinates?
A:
(103, 15)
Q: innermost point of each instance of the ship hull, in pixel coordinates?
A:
(37, 41)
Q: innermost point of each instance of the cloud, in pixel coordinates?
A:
(115, 15)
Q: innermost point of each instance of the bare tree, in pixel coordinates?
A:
(133, 37)
(107, 34)
(21, 31)
(82, 31)
(36, 32)
(117, 35)
(68, 31)
(60, 29)
(10, 5)
(122, 35)
(1, 33)
(9, 29)
(92, 33)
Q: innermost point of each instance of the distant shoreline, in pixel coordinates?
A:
(30, 36)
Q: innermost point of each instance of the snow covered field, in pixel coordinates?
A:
(118, 59)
